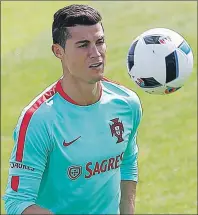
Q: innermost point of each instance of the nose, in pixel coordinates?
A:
(94, 52)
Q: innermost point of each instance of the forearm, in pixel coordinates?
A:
(34, 209)
(128, 194)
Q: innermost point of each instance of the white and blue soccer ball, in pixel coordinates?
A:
(160, 61)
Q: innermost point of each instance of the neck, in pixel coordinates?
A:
(81, 92)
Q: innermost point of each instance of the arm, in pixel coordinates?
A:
(129, 178)
(15, 206)
(27, 164)
(129, 167)
(128, 192)
(34, 209)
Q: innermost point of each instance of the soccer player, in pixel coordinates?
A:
(75, 148)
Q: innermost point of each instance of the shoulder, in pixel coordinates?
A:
(122, 92)
(38, 111)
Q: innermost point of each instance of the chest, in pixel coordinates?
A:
(89, 143)
(81, 137)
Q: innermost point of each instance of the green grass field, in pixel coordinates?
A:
(168, 133)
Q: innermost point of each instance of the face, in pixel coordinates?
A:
(84, 54)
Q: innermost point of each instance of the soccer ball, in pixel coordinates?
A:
(159, 61)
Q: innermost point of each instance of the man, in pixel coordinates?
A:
(75, 146)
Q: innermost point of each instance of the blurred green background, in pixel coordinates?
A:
(168, 133)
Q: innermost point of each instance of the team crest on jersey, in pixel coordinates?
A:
(74, 172)
(117, 129)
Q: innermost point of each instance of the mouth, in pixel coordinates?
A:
(95, 65)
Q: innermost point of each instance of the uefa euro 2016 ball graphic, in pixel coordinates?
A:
(160, 61)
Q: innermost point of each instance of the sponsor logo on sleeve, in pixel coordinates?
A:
(14, 165)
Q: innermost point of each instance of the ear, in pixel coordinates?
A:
(57, 50)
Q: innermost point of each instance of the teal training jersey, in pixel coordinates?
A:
(70, 159)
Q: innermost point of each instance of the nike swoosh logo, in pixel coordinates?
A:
(69, 143)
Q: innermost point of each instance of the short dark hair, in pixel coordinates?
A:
(69, 16)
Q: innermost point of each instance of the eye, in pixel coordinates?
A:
(101, 41)
(83, 45)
